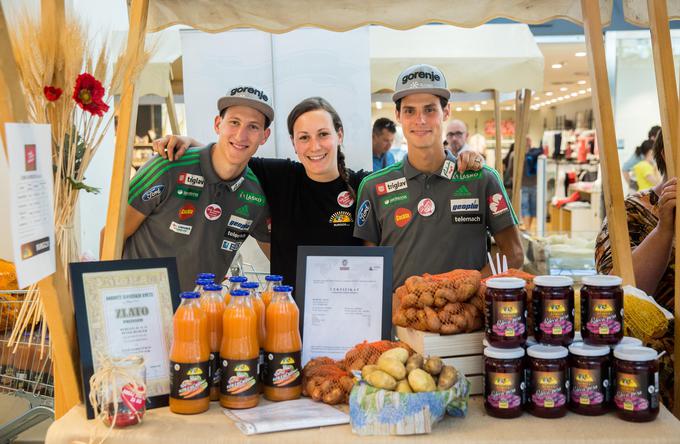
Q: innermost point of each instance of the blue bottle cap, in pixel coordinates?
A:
(212, 287)
(273, 278)
(238, 279)
(283, 288)
(206, 276)
(203, 281)
(250, 285)
(189, 295)
(239, 293)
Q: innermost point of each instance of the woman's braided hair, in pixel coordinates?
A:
(313, 104)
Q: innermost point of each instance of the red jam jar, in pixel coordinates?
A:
(505, 312)
(553, 310)
(636, 387)
(601, 310)
(547, 381)
(504, 387)
(589, 379)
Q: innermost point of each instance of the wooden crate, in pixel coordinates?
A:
(463, 351)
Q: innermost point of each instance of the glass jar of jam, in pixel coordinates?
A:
(505, 312)
(547, 382)
(553, 310)
(589, 379)
(601, 310)
(636, 387)
(504, 387)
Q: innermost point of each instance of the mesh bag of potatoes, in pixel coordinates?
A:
(406, 394)
(330, 381)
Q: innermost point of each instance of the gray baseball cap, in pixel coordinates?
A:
(421, 79)
(248, 96)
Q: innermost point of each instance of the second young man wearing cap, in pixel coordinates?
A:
(435, 217)
(202, 208)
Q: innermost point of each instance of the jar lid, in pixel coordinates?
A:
(530, 341)
(628, 341)
(238, 279)
(602, 280)
(506, 283)
(634, 353)
(541, 351)
(283, 288)
(249, 285)
(581, 349)
(504, 353)
(273, 278)
(239, 293)
(212, 287)
(553, 281)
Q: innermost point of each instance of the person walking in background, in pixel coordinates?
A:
(383, 138)
(628, 165)
(645, 171)
(529, 182)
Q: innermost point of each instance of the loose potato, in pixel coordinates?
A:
(447, 377)
(392, 367)
(414, 362)
(421, 381)
(380, 379)
(404, 387)
(433, 365)
(398, 353)
(334, 396)
(367, 369)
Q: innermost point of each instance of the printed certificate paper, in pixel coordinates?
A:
(29, 150)
(343, 304)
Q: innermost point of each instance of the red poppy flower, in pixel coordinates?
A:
(88, 94)
(52, 93)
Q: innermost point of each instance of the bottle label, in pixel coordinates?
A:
(189, 381)
(548, 389)
(603, 319)
(215, 369)
(282, 369)
(239, 377)
(636, 392)
(508, 319)
(504, 390)
(588, 387)
(554, 315)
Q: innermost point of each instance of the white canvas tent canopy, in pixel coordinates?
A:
(340, 15)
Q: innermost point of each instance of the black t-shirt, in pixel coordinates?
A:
(304, 212)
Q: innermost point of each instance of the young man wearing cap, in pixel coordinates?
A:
(202, 208)
(435, 217)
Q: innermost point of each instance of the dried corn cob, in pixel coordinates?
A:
(643, 319)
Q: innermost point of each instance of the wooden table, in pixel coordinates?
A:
(161, 426)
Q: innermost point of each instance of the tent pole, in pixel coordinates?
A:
(125, 131)
(497, 118)
(172, 112)
(520, 152)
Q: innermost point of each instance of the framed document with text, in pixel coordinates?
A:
(345, 297)
(125, 308)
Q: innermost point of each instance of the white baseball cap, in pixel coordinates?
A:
(248, 96)
(419, 79)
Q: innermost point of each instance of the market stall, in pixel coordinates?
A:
(214, 16)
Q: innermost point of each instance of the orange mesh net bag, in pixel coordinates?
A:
(368, 353)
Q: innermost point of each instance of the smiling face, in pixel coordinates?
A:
(422, 119)
(240, 133)
(316, 144)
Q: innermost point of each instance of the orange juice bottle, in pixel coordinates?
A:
(239, 353)
(189, 357)
(212, 304)
(258, 305)
(273, 280)
(202, 280)
(282, 378)
(234, 284)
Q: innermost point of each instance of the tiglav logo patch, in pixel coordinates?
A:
(193, 180)
(497, 204)
(341, 219)
(402, 216)
(391, 186)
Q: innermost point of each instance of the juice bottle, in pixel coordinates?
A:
(258, 305)
(239, 354)
(212, 304)
(282, 376)
(234, 284)
(189, 357)
(200, 283)
(273, 280)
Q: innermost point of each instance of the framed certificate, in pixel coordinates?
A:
(125, 308)
(345, 297)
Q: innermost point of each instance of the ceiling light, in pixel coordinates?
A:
(472, 108)
(580, 54)
(378, 105)
(559, 99)
(507, 108)
(483, 102)
(548, 94)
(581, 91)
(459, 109)
(588, 89)
(556, 65)
(535, 98)
(564, 88)
(581, 82)
(574, 94)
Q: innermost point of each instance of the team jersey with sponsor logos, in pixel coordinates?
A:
(435, 222)
(304, 212)
(194, 215)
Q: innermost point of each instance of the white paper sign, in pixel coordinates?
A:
(343, 304)
(29, 152)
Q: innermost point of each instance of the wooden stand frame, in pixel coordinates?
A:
(499, 135)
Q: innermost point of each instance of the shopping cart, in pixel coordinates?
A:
(25, 368)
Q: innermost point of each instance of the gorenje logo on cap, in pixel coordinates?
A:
(421, 75)
(247, 89)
